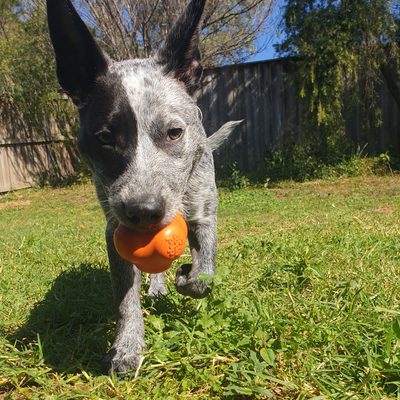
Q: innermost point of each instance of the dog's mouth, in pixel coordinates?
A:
(151, 228)
(154, 227)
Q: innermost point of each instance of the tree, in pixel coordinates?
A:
(126, 29)
(28, 80)
(342, 44)
(136, 28)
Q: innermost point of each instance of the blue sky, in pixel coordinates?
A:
(267, 54)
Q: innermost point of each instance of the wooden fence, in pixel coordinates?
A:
(263, 94)
(25, 154)
(258, 92)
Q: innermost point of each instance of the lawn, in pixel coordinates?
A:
(305, 304)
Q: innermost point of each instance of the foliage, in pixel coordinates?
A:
(54, 179)
(343, 47)
(229, 176)
(300, 163)
(231, 29)
(304, 305)
(27, 66)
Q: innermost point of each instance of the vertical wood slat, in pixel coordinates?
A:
(265, 96)
(21, 164)
(262, 94)
(26, 154)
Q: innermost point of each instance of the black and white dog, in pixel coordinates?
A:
(142, 136)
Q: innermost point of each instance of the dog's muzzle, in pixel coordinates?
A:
(146, 213)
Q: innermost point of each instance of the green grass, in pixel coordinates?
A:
(306, 303)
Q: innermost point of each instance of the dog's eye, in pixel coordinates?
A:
(174, 134)
(105, 138)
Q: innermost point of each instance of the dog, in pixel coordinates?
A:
(142, 136)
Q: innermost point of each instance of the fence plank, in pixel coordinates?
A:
(263, 94)
(25, 154)
(266, 96)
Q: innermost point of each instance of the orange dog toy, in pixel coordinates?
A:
(152, 253)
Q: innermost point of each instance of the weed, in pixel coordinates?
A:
(53, 178)
(230, 177)
(299, 163)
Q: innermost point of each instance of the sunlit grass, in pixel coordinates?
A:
(305, 304)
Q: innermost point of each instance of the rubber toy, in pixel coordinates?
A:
(152, 252)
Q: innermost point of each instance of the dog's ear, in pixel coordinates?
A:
(79, 58)
(180, 52)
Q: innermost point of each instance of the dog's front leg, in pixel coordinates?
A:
(123, 359)
(157, 285)
(203, 246)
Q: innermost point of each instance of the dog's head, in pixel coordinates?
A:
(141, 132)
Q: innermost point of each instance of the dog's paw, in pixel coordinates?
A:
(157, 285)
(157, 290)
(120, 365)
(188, 285)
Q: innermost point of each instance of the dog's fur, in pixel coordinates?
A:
(142, 136)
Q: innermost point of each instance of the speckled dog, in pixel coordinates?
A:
(142, 136)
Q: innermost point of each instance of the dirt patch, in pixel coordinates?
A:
(17, 203)
(281, 195)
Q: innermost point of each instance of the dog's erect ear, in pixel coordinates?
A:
(180, 53)
(79, 58)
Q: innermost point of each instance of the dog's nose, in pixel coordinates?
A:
(145, 213)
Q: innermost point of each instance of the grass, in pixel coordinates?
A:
(305, 304)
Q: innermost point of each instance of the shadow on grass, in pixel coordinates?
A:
(72, 321)
(72, 328)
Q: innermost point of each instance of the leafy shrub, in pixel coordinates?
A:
(230, 177)
(299, 163)
(53, 178)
